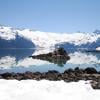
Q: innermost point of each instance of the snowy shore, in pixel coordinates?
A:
(46, 90)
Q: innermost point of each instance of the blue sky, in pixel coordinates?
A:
(51, 15)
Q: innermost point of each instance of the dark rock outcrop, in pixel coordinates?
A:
(59, 57)
(90, 70)
(68, 75)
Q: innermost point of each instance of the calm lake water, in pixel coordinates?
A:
(18, 60)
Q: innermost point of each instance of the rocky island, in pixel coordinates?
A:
(59, 57)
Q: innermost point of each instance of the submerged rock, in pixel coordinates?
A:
(59, 57)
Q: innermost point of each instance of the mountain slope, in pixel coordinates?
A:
(10, 39)
(47, 39)
(18, 42)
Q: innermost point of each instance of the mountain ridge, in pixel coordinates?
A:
(49, 40)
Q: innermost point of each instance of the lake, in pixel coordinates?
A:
(18, 61)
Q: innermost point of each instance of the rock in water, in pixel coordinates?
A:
(59, 56)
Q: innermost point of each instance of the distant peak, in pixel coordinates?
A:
(97, 31)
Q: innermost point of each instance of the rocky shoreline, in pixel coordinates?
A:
(68, 76)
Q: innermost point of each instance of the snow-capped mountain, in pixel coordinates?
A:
(9, 38)
(48, 40)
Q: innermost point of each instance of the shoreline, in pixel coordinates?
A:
(69, 75)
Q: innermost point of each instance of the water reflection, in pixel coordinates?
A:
(59, 61)
(84, 58)
(17, 53)
(19, 61)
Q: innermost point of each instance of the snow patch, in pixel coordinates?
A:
(46, 90)
(7, 33)
(98, 49)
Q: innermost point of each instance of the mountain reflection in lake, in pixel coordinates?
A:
(18, 60)
(17, 53)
